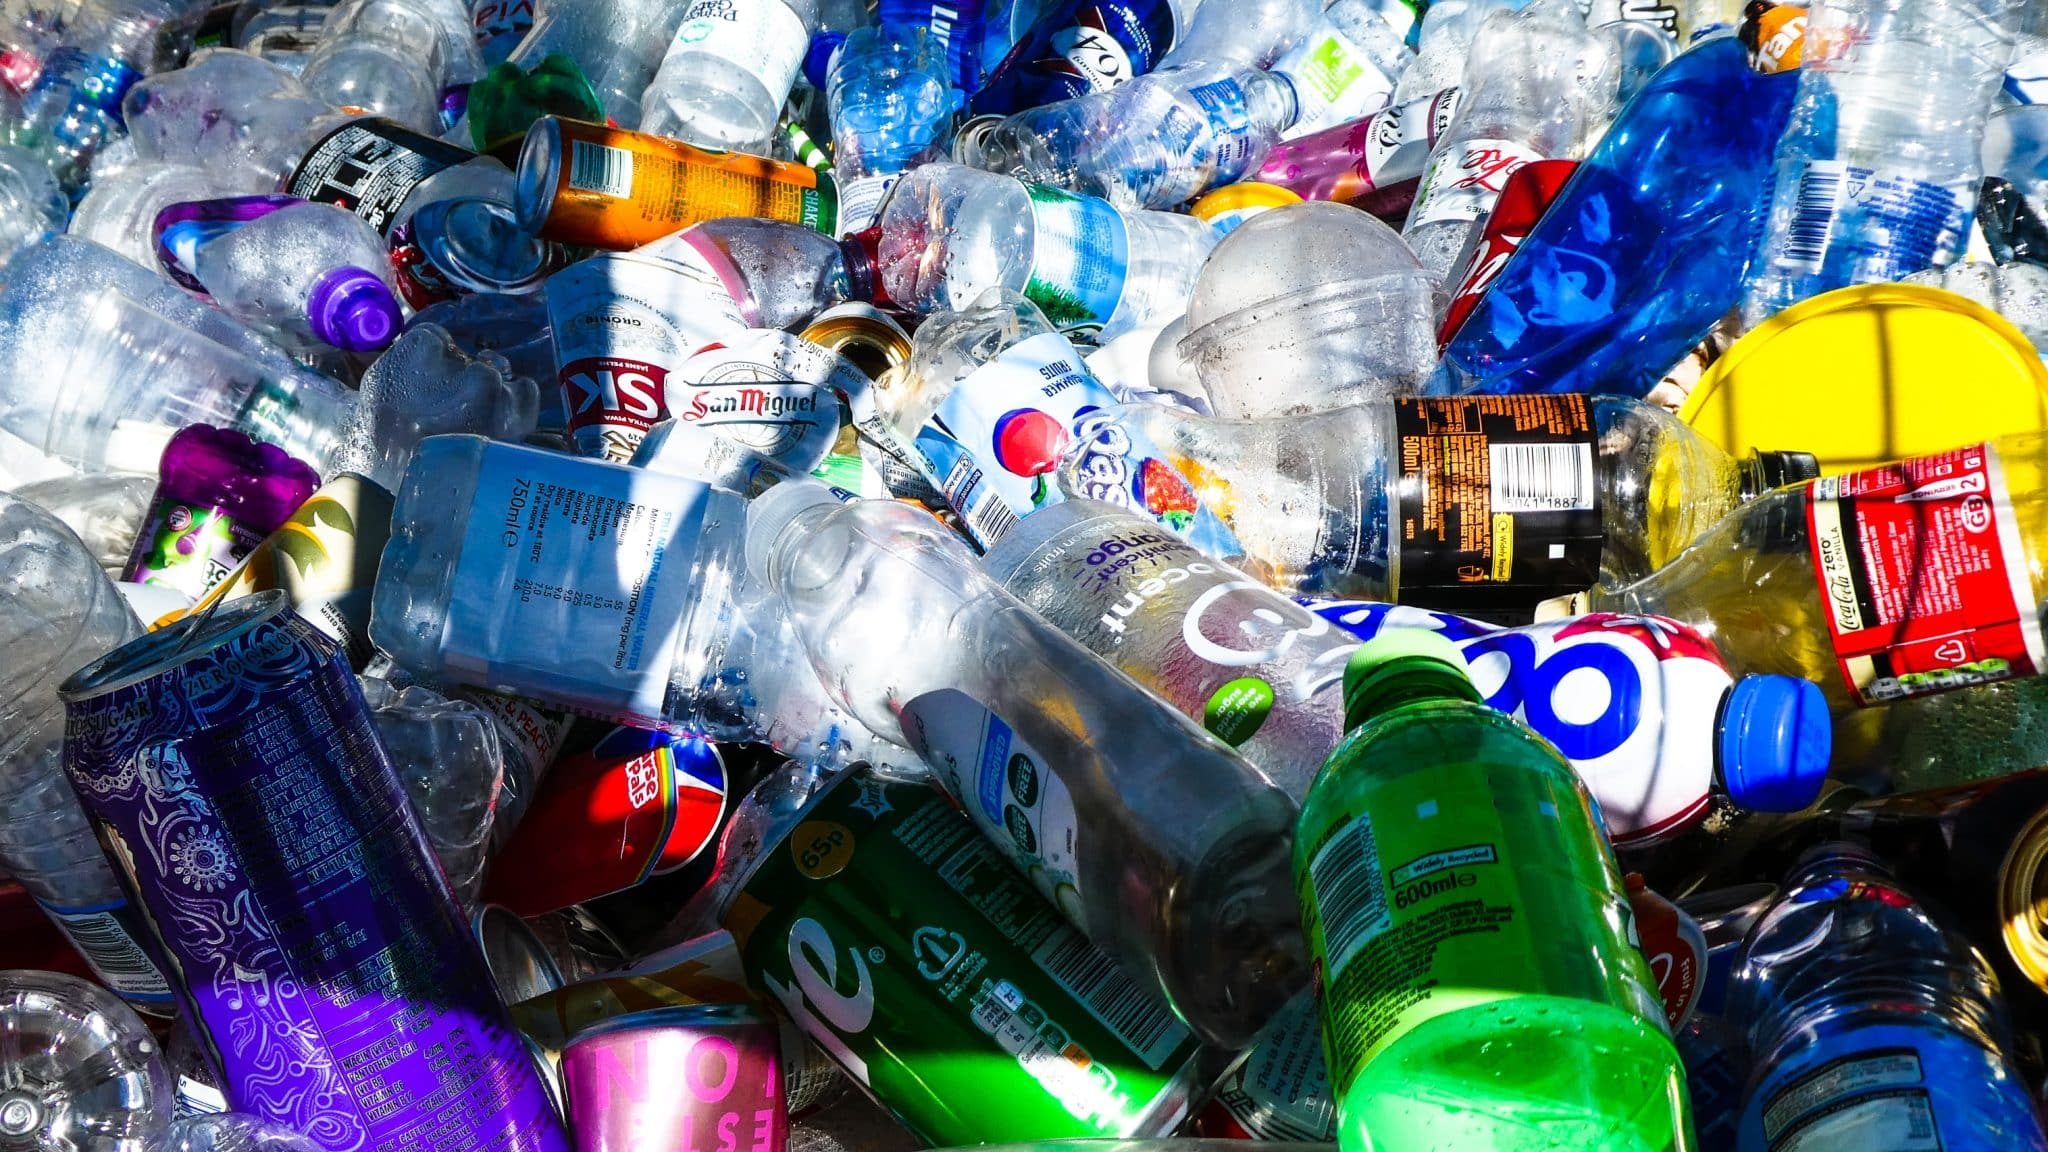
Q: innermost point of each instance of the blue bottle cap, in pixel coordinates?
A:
(353, 310)
(818, 57)
(1775, 740)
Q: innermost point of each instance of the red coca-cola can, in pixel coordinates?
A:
(637, 804)
(1523, 199)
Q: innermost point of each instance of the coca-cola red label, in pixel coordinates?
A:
(1923, 576)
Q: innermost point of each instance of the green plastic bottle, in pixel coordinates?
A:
(1476, 976)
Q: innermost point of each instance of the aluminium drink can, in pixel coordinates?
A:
(232, 772)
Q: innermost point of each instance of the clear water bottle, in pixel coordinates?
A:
(1870, 1025)
(1443, 41)
(1156, 142)
(119, 210)
(728, 72)
(891, 107)
(1245, 34)
(309, 272)
(1158, 841)
(228, 112)
(382, 56)
(74, 108)
(1348, 64)
(950, 233)
(81, 1072)
(447, 753)
(32, 206)
(233, 1132)
(1877, 174)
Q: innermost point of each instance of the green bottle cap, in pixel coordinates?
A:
(1401, 666)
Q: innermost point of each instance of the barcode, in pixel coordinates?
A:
(991, 519)
(113, 955)
(1541, 477)
(1111, 996)
(1813, 219)
(1350, 893)
(601, 168)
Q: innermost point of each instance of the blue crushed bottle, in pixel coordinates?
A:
(1870, 1025)
(1644, 250)
(1078, 47)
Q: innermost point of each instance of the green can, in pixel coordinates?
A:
(905, 947)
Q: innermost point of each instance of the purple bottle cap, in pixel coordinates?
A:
(354, 310)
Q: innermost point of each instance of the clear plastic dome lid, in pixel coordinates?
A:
(1293, 252)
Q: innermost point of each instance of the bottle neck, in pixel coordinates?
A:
(1399, 685)
(860, 256)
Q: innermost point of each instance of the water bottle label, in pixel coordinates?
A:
(1903, 1089)
(1463, 181)
(1923, 575)
(1227, 133)
(622, 324)
(900, 942)
(102, 935)
(1631, 701)
(860, 201)
(597, 556)
(764, 37)
(1079, 255)
(1282, 1090)
(369, 167)
(1496, 500)
(1874, 225)
(1007, 787)
(1337, 80)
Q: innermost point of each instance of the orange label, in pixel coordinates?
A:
(617, 189)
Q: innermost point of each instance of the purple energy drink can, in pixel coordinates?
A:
(239, 787)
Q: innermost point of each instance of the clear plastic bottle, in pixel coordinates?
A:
(950, 233)
(1347, 66)
(892, 110)
(1479, 984)
(233, 1132)
(1877, 174)
(1536, 85)
(308, 272)
(228, 112)
(32, 206)
(74, 108)
(1243, 35)
(1156, 142)
(83, 1074)
(61, 614)
(1160, 843)
(1317, 504)
(1443, 41)
(1870, 1025)
(728, 72)
(384, 57)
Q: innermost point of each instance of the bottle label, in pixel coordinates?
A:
(1924, 576)
(369, 167)
(1632, 701)
(499, 26)
(1227, 128)
(622, 323)
(1337, 79)
(1496, 491)
(997, 437)
(1886, 225)
(1462, 182)
(1348, 164)
(188, 547)
(764, 37)
(898, 940)
(1077, 47)
(860, 201)
(597, 557)
(1888, 1086)
(1282, 1090)
(1007, 787)
(1079, 253)
(102, 936)
(774, 395)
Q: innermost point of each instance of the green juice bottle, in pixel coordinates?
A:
(1475, 967)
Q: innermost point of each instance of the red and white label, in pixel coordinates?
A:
(1464, 181)
(1924, 576)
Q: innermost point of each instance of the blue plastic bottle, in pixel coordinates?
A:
(1870, 1026)
(1644, 250)
(1078, 47)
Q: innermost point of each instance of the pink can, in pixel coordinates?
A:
(694, 1078)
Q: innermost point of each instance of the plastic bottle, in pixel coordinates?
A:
(891, 109)
(228, 112)
(61, 614)
(1375, 163)
(1644, 250)
(384, 57)
(950, 233)
(1877, 174)
(1347, 66)
(1537, 83)
(1468, 921)
(1869, 1024)
(141, 358)
(73, 109)
(1245, 34)
(1155, 839)
(1081, 46)
(590, 60)
(309, 272)
(1443, 40)
(32, 206)
(119, 211)
(83, 1073)
(1883, 585)
(218, 495)
(1324, 505)
(728, 71)
(233, 1132)
(1156, 142)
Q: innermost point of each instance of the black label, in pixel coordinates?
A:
(1497, 502)
(370, 166)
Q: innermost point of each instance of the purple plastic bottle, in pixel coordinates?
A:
(219, 494)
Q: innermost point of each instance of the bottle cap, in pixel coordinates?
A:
(818, 58)
(1764, 471)
(1774, 743)
(1399, 666)
(771, 512)
(353, 310)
